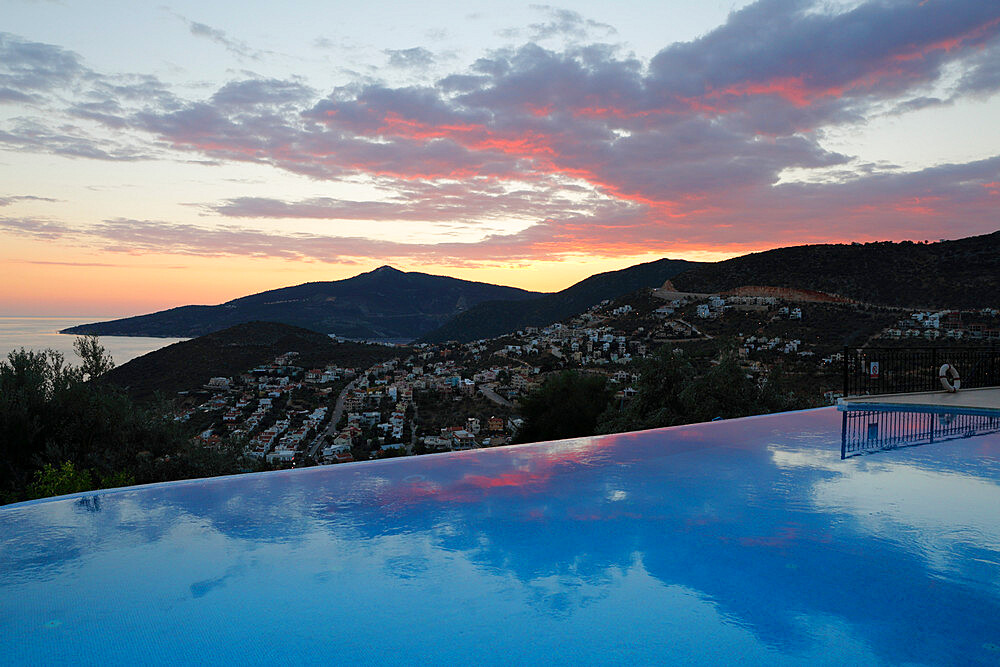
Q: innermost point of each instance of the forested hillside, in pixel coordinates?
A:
(949, 274)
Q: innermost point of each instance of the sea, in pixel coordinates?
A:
(40, 333)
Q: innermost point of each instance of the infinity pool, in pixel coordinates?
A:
(750, 541)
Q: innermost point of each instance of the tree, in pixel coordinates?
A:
(671, 391)
(726, 391)
(52, 481)
(96, 359)
(59, 432)
(657, 402)
(567, 405)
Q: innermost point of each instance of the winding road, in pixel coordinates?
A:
(331, 427)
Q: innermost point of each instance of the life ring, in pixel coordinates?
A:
(948, 375)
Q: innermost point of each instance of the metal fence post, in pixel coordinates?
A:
(934, 366)
(993, 363)
(846, 354)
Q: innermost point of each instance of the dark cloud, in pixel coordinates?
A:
(416, 58)
(982, 79)
(819, 65)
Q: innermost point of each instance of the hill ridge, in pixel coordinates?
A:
(382, 303)
(494, 318)
(231, 351)
(960, 273)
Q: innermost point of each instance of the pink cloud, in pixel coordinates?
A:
(601, 152)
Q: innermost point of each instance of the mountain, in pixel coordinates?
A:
(495, 318)
(384, 303)
(950, 274)
(189, 364)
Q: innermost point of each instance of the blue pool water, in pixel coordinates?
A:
(749, 540)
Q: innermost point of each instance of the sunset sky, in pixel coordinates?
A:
(157, 155)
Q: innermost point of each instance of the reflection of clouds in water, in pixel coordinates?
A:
(724, 530)
(943, 515)
(206, 586)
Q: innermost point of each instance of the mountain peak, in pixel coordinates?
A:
(384, 269)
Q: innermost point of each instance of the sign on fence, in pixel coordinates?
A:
(909, 369)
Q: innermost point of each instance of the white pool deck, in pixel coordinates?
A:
(984, 398)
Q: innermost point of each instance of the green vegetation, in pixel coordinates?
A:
(567, 405)
(671, 390)
(61, 432)
(950, 274)
(437, 410)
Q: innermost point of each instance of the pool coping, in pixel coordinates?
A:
(980, 399)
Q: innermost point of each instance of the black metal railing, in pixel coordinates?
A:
(894, 370)
(874, 430)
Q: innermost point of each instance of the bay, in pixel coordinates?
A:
(39, 333)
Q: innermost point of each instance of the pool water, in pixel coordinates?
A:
(749, 540)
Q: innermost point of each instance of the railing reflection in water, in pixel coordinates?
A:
(867, 431)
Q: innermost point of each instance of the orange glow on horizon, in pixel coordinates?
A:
(71, 282)
(119, 285)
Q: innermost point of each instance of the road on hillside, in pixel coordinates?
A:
(500, 353)
(331, 428)
(694, 329)
(495, 397)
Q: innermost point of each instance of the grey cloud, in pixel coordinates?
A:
(462, 83)
(138, 88)
(148, 236)
(108, 113)
(573, 79)
(566, 23)
(13, 199)
(983, 78)
(785, 40)
(34, 228)
(68, 141)
(11, 96)
(427, 202)
(251, 92)
(220, 37)
(918, 103)
(27, 66)
(417, 57)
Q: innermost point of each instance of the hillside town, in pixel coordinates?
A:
(458, 396)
